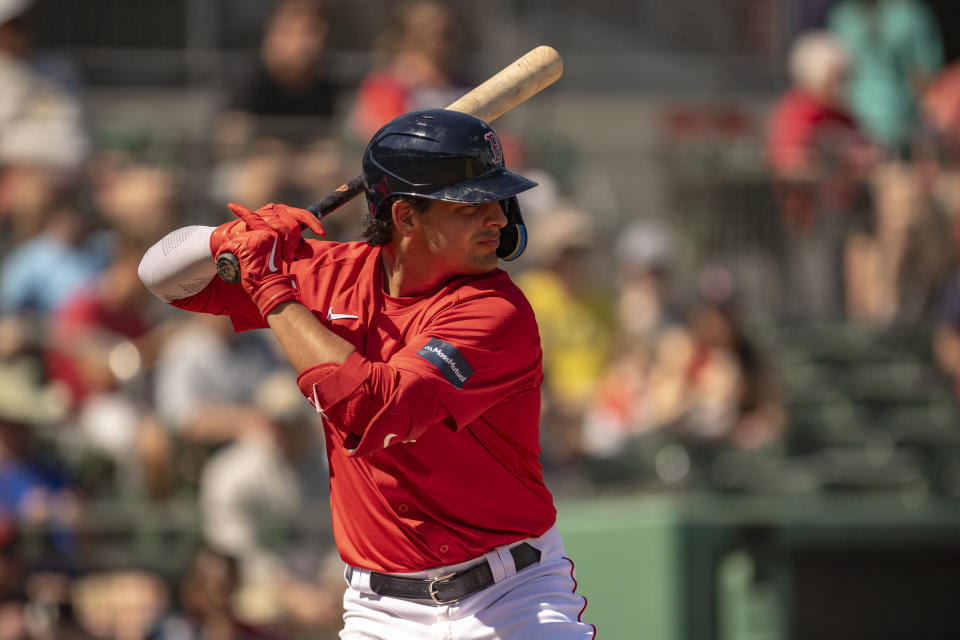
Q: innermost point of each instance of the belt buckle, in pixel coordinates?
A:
(431, 589)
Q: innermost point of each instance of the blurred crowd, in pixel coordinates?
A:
(159, 477)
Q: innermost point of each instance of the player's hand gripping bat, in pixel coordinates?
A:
(515, 83)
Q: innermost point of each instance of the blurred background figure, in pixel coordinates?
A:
(91, 324)
(194, 399)
(647, 324)
(941, 108)
(26, 392)
(50, 611)
(136, 180)
(44, 137)
(204, 605)
(896, 48)
(699, 384)
(69, 250)
(418, 67)
(737, 401)
(819, 159)
(36, 492)
(644, 277)
(287, 79)
(940, 103)
(13, 572)
(264, 499)
(896, 51)
(574, 313)
(895, 267)
(945, 337)
(276, 136)
(41, 116)
(101, 342)
(120, 604)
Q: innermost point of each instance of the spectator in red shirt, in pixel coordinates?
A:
(818, 158)
(420, 51)
(812, 136)
(93, 322)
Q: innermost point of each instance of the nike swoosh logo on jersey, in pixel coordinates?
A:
(273, 253)
(339, 316)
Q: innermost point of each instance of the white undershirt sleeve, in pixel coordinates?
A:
(180, 264)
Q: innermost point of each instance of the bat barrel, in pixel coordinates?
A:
(524, 77)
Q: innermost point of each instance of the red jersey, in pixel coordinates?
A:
(432, 425)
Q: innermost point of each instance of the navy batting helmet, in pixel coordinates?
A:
(445, 155)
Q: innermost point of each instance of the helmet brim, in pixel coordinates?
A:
(492, 186)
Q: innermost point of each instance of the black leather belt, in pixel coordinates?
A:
(452, 587)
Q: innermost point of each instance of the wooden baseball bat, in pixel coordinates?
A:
(521, 79)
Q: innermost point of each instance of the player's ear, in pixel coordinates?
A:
(402, 213)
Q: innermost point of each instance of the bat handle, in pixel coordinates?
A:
(338, 197)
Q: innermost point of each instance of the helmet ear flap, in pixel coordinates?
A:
(513, 236)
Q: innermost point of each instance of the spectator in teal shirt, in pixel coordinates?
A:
(896, 48)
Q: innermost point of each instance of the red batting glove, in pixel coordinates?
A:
(264, 275)
(286, 222)
(225, 232)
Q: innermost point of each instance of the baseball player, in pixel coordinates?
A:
(423, 360)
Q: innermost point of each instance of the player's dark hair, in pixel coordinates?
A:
(378, 229)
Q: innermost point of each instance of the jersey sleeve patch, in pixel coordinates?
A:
(450, 362)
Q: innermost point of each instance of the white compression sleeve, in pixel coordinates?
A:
(180, 264)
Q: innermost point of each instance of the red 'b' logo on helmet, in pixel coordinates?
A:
(494, 146)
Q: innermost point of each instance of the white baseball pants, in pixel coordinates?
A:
(539, 602)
